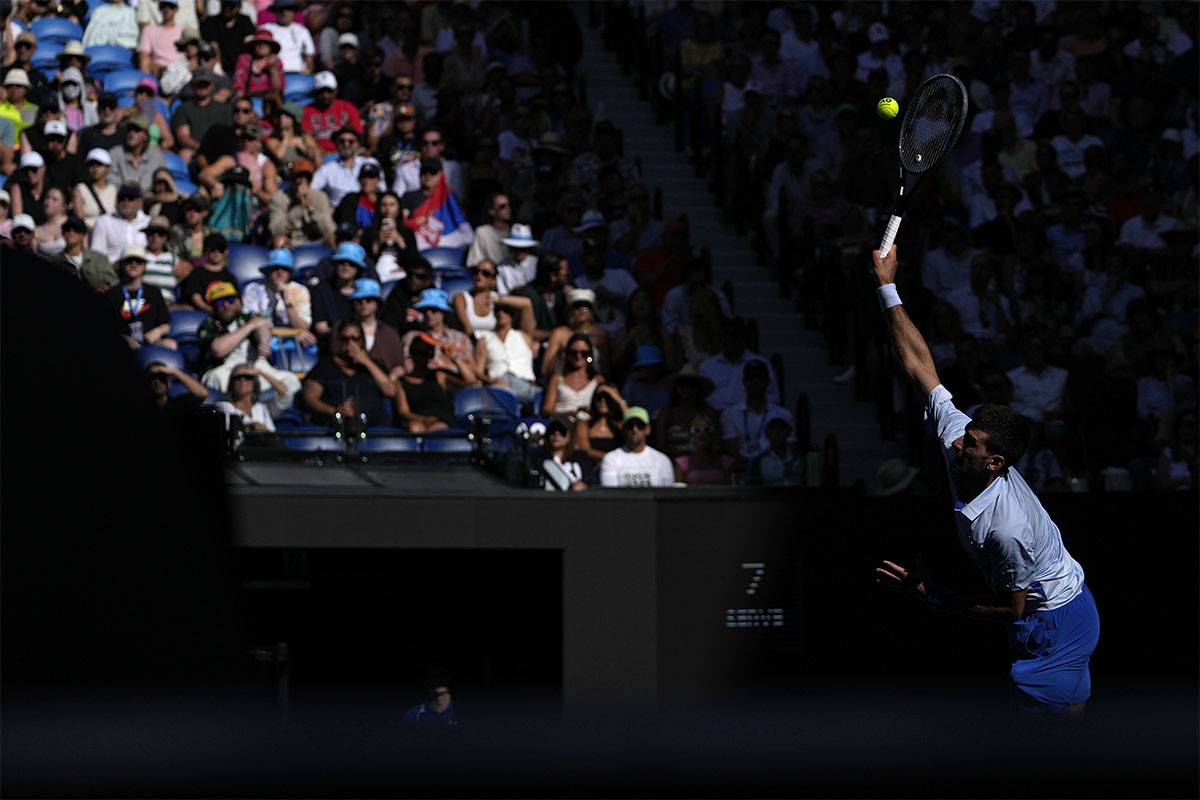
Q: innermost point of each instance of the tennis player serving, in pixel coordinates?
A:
(1040, 596)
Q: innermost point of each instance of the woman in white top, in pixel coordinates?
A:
(504, 356)
(474, 307)
(48, 239)
(96, 196)
(570, 389)
(242, 398)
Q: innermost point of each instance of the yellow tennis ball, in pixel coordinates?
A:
(887, 108)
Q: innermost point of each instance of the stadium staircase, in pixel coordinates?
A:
(845, 430)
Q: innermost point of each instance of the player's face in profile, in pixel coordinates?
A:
(972, 456)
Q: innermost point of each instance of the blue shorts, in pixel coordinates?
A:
(1050, 652)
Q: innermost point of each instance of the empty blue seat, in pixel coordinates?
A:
(185, 324)
(313, 443)
(244, 261)
(309, 255)
(45, 57)
(148, 354)
(298, 87)
(108, 54)
(455, 444)
(123, 82)
(175, 163)
(59, 30)
(446, 256)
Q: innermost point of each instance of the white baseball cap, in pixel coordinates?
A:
(324, 80)
(98, 154)
(348, 38)
(4, 198)
(32, 159)
(55, 127)
(24, 221)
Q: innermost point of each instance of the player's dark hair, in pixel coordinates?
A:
(1008, 431)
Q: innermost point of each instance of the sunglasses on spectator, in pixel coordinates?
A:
(347, 140)
(224, 302)
(352, 338)
(431, 142)
(576, 352)
(404, 86)
(635, 424)
(158, 377)
(243, 109)
(242, 377)
(484, 272)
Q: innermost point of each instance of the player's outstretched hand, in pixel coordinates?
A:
(894, 577)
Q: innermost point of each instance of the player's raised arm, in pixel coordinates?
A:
(911, 348)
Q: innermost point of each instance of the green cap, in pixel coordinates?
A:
(637, 412)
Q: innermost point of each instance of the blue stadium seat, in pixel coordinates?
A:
(313, 442)
(446, 256)
(309, 255)
(59, 30)
(185, 186)
(298, 87)
(123, 82)
(456, 444)
(495, 407)
(185, 322)
(175, 163)
(287, 353)
(244, 261)
(404, 443)
(45, 57)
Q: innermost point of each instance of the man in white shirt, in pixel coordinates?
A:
(433, 145)
(297, 51)
(744, 425)
(125, 225)
(339, 177)
(519, 267)
(725, 368)
(488, 242)
(636, 464)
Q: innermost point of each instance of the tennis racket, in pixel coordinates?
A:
(932, 124)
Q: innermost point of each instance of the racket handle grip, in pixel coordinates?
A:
(889, 234)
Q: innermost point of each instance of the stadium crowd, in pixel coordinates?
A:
(416, 198)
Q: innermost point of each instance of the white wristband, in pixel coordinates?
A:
(888, 296)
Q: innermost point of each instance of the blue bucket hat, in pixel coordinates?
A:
(350, 251)
(648, 355)
(434, 298)
(280, 257)
(367, 288)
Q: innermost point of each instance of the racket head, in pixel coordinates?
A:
(932, 124)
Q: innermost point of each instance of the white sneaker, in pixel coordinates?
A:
(846, 376)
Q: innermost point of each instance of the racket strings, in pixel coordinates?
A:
(933, 124)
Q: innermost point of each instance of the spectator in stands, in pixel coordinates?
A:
(351, 68)
(399, 143)
(425, 401)
(689, 391)
(28, 186)
(598, 427)
(243, 399)
(474, 307)
(90, 266)
(231, 338)
(159, 376)
(142, 314)
(196, 117)
(636, 231)
(108, 130)
(985, 309)
(48, 240)
(743, 424)
(126, 224)
(1100, 320)
(636, 464)
(563, 468)
(340, 176)
(1039, 387)
(382, 341)
(77, 103)
(136, 160)
(360, 205)
(548, 294)
(1177, 468)
(390, 242)
(286, 302)
(456, 351)
(301, 213)
(706, 464)
(164, 268)
(504, 354)
(193, 230)
(726, 369)
(348, 382)
(261, 171)
(328, 115)
(611, 284)
(21, 233)
(259, 72)
(433, 145)
(114, 22)
(946, 267)
(63, 168)
(213, 269)
(16, 104)
(570, 389)
(297, 51)
(398, 307)
(156, 42)
(436, 712)
(331, 296)
(518, 267)
(288, 142)
(488, 242)
(580, 319)
(227, 31)
(779, 464)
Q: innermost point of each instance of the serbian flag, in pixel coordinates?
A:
(439, 221)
